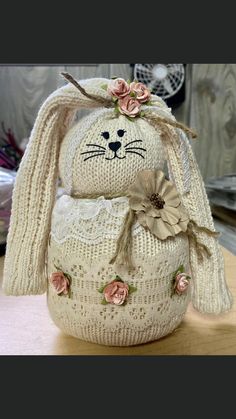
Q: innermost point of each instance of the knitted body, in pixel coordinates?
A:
(83, 247)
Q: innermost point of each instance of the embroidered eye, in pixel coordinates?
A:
(106, 135)
(121, 132)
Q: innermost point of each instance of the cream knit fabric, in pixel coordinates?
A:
(35, 188)
(151, 312)
(98, 175)
(83, 233)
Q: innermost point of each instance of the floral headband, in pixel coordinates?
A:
(127, 99)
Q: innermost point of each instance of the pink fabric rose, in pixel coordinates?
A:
(181, 283)
(60, 282)
(116, 292)
(119, 88)
(129, 106)
(141, 91)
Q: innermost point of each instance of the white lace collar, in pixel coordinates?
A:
(90, 208)
(89, 220)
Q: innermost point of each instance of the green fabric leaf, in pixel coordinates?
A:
(132, 288)
(114, 77)
(118, 278)
(181, 268)
(117, 108)
(67, 276)
(132, 94)
(104, 302)
(128, 81)
(101, 289)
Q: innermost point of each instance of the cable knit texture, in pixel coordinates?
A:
(79, 236)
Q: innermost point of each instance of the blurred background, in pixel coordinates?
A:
(202, 96)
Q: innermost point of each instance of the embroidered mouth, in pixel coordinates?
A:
(115, 156)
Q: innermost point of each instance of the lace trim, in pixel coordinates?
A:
(89, 220)
(152, 305)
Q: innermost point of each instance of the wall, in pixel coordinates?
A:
(24, 88)
(213, 113)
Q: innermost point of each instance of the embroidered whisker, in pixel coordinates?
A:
(135, 141)
(135, 152)
(136, 148)
(90, 157)
(93, 151)
(96, 145)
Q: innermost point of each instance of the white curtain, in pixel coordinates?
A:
(24, 88)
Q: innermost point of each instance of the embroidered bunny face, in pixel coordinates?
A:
(104, 156)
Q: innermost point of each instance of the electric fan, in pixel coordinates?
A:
(164, 80)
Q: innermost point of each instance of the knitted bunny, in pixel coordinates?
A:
(123, 251)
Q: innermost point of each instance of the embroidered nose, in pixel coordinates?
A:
(114, 146)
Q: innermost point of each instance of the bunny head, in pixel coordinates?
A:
(101, 155)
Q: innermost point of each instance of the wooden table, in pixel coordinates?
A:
(26, 329)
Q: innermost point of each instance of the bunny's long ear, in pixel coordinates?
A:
(210, 291)
(35, 189)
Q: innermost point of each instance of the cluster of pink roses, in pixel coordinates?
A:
(129, 97)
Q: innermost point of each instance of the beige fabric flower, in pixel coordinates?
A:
(157, 204)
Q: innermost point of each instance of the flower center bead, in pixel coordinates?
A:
(157, 201)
